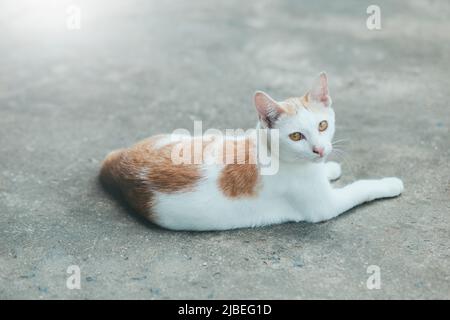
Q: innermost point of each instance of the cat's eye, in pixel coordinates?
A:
(323, 125)
(296, 136)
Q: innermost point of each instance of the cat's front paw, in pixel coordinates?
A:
(394, 186)
(333, 170)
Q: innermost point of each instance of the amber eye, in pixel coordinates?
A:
(323, 125)
(296, 136)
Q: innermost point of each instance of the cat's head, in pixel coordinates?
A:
(306, 124)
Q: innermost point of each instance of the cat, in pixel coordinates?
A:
(203, 196)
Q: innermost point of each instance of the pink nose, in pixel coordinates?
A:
(318, 150)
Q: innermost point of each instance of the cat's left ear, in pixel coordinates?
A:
(319, 91)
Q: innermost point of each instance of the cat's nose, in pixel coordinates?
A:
(319, 150)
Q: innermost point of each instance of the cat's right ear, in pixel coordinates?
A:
(268, 109)
(319, 91)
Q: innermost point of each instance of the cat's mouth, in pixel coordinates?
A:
(320, 158)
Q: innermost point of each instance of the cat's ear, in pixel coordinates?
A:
(319, 91)
(268, 109)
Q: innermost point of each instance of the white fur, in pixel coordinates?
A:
(295, 193)
(300, 191)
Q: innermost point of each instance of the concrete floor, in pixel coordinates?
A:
(136, 68)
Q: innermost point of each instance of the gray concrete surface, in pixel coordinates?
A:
(136, 68)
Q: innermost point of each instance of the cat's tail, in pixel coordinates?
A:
(120, 178)
(110, 173)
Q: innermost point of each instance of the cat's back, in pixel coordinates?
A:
(159, 172)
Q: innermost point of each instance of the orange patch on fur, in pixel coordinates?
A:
(292, 105)
(142, 169)
(303, 102)
(289, 109)
(241, 178)
(305, 98)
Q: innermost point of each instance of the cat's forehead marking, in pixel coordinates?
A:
(303, 102)
(292, 105)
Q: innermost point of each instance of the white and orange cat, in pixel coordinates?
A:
(215, 195)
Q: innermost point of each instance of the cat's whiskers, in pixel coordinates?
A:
(342, 155)
(340, 140)
(337, 150)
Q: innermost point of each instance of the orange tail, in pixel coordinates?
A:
(110, 175)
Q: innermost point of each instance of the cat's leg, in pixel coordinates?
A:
(343, 199)
(333, 170)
